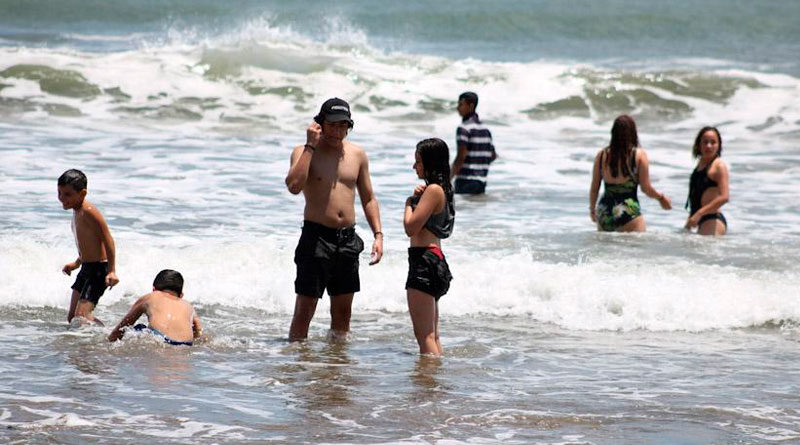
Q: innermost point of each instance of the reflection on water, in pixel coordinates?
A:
(322, 379)
(425, 385)
(170, 364)
(424, 375)
(87, 362)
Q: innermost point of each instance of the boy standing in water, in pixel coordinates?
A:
(328, 170)
(475, 150)
(96, 250)
(168, 315)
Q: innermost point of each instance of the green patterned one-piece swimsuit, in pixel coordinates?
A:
(618, 206)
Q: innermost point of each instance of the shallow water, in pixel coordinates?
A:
(516, 381)
(183, 117)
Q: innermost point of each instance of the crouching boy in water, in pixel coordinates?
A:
(168, 315)
(96, 251)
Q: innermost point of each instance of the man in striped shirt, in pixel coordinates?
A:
(475, 148)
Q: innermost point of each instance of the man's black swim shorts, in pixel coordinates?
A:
(327, 258)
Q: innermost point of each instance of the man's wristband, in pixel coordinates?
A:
(377, 233)
(310, 147)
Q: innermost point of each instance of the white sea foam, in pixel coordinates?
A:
(390, 85)
(192, 195)
(55, 419)
(188, 428)
(593, 295)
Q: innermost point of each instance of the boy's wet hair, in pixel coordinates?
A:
(169, 280)
(469, 97)
(73, 178)
(696, 147)
(435, 158)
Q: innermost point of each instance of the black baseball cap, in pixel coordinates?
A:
(334, 110)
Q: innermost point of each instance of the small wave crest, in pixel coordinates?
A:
(265, 76)
(591, 295)
(262, 71)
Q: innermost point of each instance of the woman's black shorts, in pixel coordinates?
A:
(428, 271)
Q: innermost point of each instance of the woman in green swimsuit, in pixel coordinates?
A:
(623, 167)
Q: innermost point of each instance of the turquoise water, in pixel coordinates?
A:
(760, 34)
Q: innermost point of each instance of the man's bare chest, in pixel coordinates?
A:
(330, 174)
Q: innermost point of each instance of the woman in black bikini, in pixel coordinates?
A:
(708, 186)
(429, 217)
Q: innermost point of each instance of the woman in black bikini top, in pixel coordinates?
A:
(708, 185)
(428, 218)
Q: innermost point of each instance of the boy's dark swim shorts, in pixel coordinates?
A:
(327, 258)
(91, 281)
(428, 271)
(142, 328)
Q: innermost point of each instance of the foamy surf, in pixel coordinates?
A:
(278, 81)
(183, 117)
(598, 293)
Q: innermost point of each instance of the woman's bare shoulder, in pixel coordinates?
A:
(434, 189)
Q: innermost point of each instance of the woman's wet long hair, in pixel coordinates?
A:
(696, 147)
(624, 139)
(436, 162)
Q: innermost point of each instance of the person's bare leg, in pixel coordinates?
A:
(712, 227)
(304, 308)
(720, 229)
(341, 310)
(635, 225)
(436, 327)
(85, 310)
(422, 308)
(73, 303)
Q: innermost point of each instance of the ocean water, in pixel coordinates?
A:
(183, 115)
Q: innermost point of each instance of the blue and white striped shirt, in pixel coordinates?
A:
(480, 150)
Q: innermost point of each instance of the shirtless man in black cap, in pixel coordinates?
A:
(328, 170)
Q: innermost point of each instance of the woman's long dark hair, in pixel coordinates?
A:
(624, 139)
(436, 162)
(696, 147)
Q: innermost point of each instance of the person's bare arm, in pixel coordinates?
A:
(719, 173)
(108, 244)
(136, 311)
(371, 208)
(197, 327)
(69, 267)
(644, 181)
(597, 175)
(300, 160)
(414, 219)
(461, 155)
